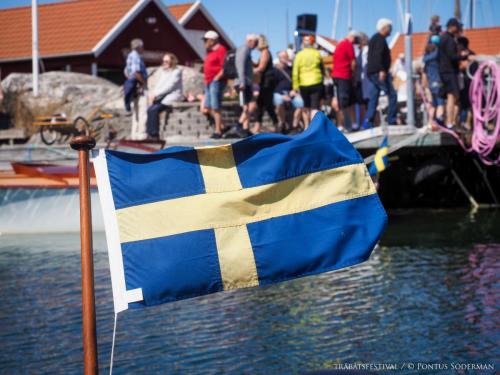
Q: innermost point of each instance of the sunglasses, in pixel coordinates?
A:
(167, 61)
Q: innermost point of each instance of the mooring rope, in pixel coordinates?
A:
(113, 346)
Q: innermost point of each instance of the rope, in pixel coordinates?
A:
(484, 141)
(113, 346)
(485, 99)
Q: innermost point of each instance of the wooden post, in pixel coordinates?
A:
(83, 144)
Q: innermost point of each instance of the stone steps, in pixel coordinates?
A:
(186, 123)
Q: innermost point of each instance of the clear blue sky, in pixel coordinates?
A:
(238, 17)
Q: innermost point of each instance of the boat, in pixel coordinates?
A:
(43, 198)
(39, 187)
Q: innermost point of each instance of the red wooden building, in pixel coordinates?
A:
(93, 36)
(196, 20)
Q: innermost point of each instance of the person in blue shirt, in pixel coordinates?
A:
(135, 73)
(284, 94)
(431, 69)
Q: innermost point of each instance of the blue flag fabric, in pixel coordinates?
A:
(381, 160)
(185, 222)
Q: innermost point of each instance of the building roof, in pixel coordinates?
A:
(186, 13)
(68, 27)
(483, 41)
(72, 27)
(179, 10)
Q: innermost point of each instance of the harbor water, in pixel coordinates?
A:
(429, 294)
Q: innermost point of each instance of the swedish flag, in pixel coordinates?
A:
(185, 222)
(381, 160)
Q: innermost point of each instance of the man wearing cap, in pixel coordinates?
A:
(379, 62)
(448, 69)
(344, 65)
(214, 80)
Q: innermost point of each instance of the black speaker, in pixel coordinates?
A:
(307, 22)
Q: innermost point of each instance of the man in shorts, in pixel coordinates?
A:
(448, 69)
(214, 79)
(307, 77)
(344, 66)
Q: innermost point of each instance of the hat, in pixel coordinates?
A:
(211, 35)
(383, 22)
(453, 22)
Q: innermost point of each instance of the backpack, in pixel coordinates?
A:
(229, 67)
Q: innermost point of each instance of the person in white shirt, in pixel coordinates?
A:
(362, 83)
(167, 90)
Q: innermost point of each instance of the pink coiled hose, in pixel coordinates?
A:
(485, 100)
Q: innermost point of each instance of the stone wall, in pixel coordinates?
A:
(186, 123)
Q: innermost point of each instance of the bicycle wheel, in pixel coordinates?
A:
(49, 135)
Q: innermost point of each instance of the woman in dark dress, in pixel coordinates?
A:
(266, 86)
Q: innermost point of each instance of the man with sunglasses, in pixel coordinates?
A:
(167, 90)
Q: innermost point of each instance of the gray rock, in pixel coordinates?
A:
(193, 81)
(76, 94)
(73, 94)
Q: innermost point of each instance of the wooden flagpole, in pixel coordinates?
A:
(83, 144)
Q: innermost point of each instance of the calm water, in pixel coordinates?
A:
(429, 293)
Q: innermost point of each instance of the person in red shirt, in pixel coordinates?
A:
(213, 70)
(344, 66)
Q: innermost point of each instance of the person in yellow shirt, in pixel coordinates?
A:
(307, 76)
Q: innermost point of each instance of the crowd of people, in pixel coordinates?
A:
(446, 60)
(295, 85)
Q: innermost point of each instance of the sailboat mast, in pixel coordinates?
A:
(349, 15)
(34, 29)
(335, 18)
(410, 102)
(473, 13)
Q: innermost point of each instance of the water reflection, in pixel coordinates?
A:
(429, 292)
